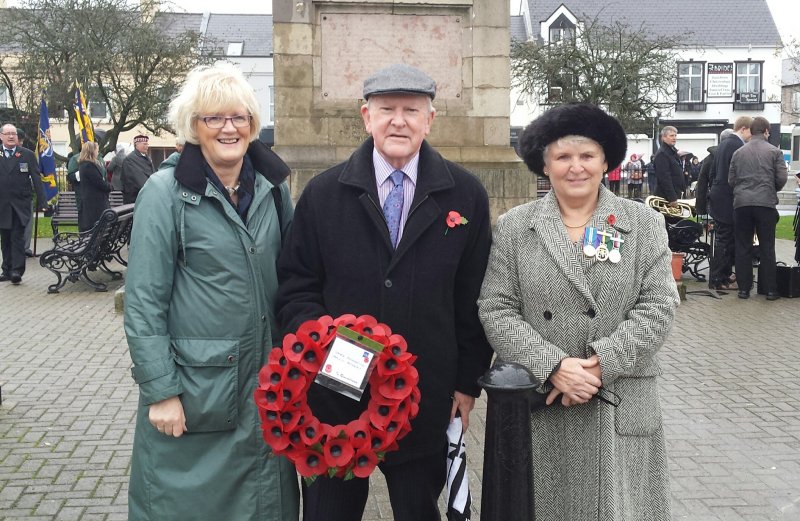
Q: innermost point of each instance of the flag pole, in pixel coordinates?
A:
(35, 230)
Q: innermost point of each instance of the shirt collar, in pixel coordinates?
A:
(383, 169)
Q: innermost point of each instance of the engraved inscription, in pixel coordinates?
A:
(356, 45)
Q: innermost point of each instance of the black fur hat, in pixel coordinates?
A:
(573, 119)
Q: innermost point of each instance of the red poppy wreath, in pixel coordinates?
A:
(345, 451)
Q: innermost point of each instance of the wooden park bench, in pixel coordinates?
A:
(66, 209)
(74, 255)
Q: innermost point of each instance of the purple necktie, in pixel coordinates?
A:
(393, 206)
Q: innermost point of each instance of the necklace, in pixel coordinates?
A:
(576, 227)
(232, 189)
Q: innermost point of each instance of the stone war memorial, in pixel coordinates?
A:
(325, 49)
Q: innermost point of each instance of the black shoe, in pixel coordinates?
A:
(772, 295)
(29, 253)
(16, 278)
(4, 277)
(744, 293)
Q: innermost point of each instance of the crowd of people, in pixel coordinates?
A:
(575, 286)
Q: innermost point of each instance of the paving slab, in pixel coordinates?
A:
(730, 400)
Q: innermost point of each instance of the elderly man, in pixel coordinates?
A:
(667, 167)
(19, 174)
(136, 169)
(370, 236)
(757, 174)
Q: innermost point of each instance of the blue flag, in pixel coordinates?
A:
(44, 148)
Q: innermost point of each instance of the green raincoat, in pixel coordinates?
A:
(200, 322)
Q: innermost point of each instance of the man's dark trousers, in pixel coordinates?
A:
(762, 221)
(721, 264)
(12, 241)
(414, 488)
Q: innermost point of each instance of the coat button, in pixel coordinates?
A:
(252, 250)
(264, 317)
(548, 315)
(194, 198)
(184, 194)
(231, 358)
(591, 312)
(213, 193)
(387, 283)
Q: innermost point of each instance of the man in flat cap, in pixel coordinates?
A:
(136, 169)
(399, 233)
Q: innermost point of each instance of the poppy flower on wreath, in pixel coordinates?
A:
(454, 219)
(290, 427)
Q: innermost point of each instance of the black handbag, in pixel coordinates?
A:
(787, 279)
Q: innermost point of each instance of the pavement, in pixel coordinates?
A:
(730, 401)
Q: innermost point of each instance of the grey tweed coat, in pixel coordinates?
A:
(543, 300)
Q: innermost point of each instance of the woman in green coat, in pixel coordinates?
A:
(199, 314)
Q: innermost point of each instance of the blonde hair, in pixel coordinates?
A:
(211, 90)
(89, 152)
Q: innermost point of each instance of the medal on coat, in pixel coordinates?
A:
(603, 250)
(590, 241)
(615, 255)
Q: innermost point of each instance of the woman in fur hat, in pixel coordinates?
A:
(579, 290)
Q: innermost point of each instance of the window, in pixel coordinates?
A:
(562, 29)
(272, 104)
(748, 82)
(561, 88)
(97, 108)
(3, 96)
(796, 101)
(235, 48)
(690, 82)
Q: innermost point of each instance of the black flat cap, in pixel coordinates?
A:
(573, 119)
(399, 79)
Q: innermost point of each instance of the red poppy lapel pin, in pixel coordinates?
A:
(454, 219)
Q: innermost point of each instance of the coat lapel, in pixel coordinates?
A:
(546, 222)
(433, 176)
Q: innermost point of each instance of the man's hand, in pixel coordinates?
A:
(463, 403)
(167, 417)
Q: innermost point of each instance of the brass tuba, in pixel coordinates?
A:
(684, 209)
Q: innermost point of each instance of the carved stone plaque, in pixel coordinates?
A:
(356, 45)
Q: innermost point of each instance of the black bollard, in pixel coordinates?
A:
(507, 493)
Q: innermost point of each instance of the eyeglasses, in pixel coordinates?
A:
(215, 122)
(603, 395)
(10, 134)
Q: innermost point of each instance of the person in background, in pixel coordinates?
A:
(720, 273)
(633, 169)
(757, 174)
(115, 167)
(587, 317)
(652, 182)
(94, 187)
(668, 168)
(706, 176)
(369, 238)
(136, 169)
(172, 160)
(199, 314)
(19, 179)
(614, 179)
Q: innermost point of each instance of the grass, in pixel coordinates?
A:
(46, 231)
(784, 230)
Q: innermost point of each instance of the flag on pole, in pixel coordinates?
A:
(81, 114)
(44, 149)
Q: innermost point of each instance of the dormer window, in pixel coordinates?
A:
(235, 48)
(562, 29)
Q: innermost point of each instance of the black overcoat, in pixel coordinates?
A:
(94, 195)
(721, 195)
(19, 174)
(136, 170)
(338, 259)
(670, 183)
